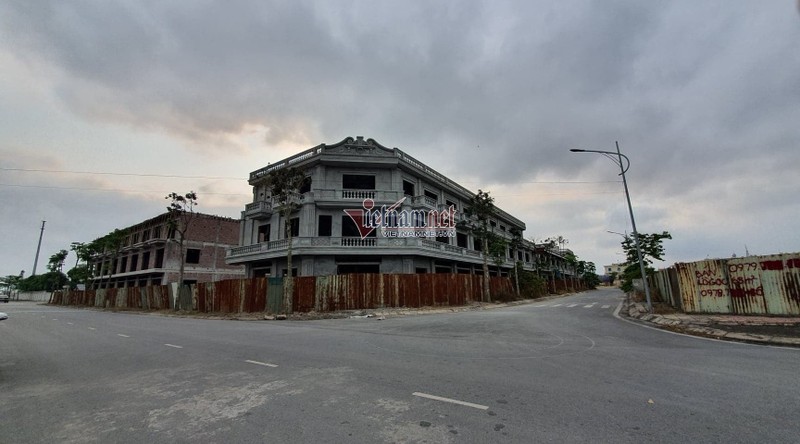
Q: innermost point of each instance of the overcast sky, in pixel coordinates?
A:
(703, 96)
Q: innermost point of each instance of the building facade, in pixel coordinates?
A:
(149, 254)
(352, 176)
(614, 268)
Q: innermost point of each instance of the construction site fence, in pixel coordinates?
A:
(310, 293)
(753, 285)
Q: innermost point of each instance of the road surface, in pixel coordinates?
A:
(563, 370)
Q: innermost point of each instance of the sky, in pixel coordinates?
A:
(108, 106)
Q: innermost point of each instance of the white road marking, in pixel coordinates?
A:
(173, 346)
(572, 305)
(70, 323)
(260, 363)
(606, 306)
(452, 401)
(124, 336)
(55, 319)
(92, 328)
(557, 305)
(589, 306)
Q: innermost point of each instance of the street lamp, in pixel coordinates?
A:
(617, 158)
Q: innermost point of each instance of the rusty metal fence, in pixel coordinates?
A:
(311, 293)
(145, 298)
(751, 285)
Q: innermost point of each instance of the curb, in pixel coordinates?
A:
(637, 313)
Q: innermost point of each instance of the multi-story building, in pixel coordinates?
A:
(614, 268)
(353, 176)
(149, 254)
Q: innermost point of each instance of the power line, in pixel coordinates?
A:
(50, 187)
(100, 173)
(175, 176)
(109, 189)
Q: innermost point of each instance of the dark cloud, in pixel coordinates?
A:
(496, 92)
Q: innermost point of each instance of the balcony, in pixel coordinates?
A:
(352, 245)
(352, 195)
(424, 201)
(258, 210)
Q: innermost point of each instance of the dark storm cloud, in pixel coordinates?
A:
(701, 95)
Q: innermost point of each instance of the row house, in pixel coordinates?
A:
(149, 254)
(352, 177)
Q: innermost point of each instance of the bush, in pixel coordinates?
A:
(531, 285)
(51, 281)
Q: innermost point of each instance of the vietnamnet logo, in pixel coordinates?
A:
(403, 223)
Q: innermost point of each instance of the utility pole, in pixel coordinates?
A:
(38, 247)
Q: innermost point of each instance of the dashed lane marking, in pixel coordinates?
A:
(121, 335)
(265, 364)
(588, 306)
(173, 345)
(572, 305)
(557, 305)
(92, 328)
(606, 306)
(452, 401)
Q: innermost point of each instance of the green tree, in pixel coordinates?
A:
(112, 244)
(284, 185)
(180, 216)
(56, 262)
(478, 213)
(652, 249)
(532, 285)
(588, 273)
(49, 281)
(80, 274)
(515, 244)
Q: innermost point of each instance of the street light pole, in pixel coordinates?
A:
(617, 158)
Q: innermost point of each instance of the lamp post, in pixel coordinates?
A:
(617, 158)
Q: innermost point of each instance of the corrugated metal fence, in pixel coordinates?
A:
(311, 293)
(750, 285)
(146, 298)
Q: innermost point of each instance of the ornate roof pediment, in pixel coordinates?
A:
(358, 146)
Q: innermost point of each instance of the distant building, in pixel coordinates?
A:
(614, 268)
(149, 254)
(326, 240)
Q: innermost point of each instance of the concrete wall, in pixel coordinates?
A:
(37, 296)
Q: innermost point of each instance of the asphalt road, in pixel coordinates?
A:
(564, 370)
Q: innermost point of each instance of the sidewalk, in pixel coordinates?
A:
(767, 330)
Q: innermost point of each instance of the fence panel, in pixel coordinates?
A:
(274, 295)
(704, 286)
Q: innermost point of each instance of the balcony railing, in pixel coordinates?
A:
(358, 194)
(427, 201)
(327, 243)
(258, 209)
(388, 196)
(358, 242)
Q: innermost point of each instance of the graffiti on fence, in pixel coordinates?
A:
(750, 285)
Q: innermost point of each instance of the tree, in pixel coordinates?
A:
(10, 283)
(80, 274)
(588, 273)
(478, 212)
(56, 262)
(652, 248)
(49, 281)
(515, 244)
(111, 242)
(180, 215)
(284, 185)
